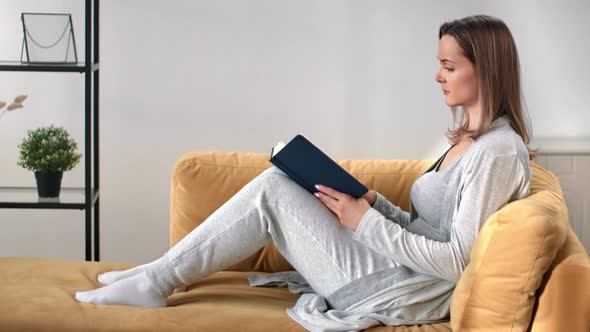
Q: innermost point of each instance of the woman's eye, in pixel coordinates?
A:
(449, 69)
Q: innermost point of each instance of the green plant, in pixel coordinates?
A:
(48, 150)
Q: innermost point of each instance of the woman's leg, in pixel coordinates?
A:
(270, 207)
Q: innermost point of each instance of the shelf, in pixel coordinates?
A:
(72, 198)
(46, 67)
(27, 198)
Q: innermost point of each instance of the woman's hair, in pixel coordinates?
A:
(487, 42)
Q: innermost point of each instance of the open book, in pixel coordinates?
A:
(307, 165)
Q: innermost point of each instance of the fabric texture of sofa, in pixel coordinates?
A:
(528, 270)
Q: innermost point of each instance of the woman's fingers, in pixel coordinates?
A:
(329, 191)
(328, 201)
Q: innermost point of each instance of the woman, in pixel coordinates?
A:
(368, 262)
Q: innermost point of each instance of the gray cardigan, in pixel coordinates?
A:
(493, 172)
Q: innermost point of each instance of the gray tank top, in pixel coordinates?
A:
(427, 194)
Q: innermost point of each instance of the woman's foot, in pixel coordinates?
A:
(136, 290)
(108, 278)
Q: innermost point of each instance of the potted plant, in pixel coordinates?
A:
(48, 151)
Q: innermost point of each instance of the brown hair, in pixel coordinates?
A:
(487, 42)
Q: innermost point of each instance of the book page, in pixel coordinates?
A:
(277, 148)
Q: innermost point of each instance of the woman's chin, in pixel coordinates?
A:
(451, 103)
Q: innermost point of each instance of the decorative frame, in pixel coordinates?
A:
(44, 39)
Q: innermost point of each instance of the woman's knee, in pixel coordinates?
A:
(271, 174)
(276, 179)
(273, 169)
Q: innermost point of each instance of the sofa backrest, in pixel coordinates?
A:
(202, 181)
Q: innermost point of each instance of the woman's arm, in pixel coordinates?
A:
(387, 209)
(390, 210)
(489, 182)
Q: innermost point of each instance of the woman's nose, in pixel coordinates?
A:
(438, 77)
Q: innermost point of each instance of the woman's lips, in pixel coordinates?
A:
(445, 92)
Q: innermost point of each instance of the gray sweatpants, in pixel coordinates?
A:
(270, 207)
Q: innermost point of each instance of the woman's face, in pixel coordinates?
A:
(456, 74)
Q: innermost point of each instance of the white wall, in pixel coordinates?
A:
(356, 77)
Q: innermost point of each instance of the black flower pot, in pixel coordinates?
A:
(48, 184)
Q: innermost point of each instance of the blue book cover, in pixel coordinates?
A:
(308, 165)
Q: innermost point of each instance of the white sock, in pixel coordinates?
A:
(136, 290)
(108, 278)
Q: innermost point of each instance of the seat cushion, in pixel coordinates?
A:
(512, 252)
(38, 295)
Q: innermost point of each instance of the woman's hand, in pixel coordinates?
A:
(349, 210)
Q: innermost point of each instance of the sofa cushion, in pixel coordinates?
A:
(563, 303)
(202, 182)
(38, 295)
(512, 252)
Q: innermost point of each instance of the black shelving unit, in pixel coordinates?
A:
(86, 198)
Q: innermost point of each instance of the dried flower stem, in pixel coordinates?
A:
(16, 104)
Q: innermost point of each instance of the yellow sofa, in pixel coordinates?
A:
(528, 270)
